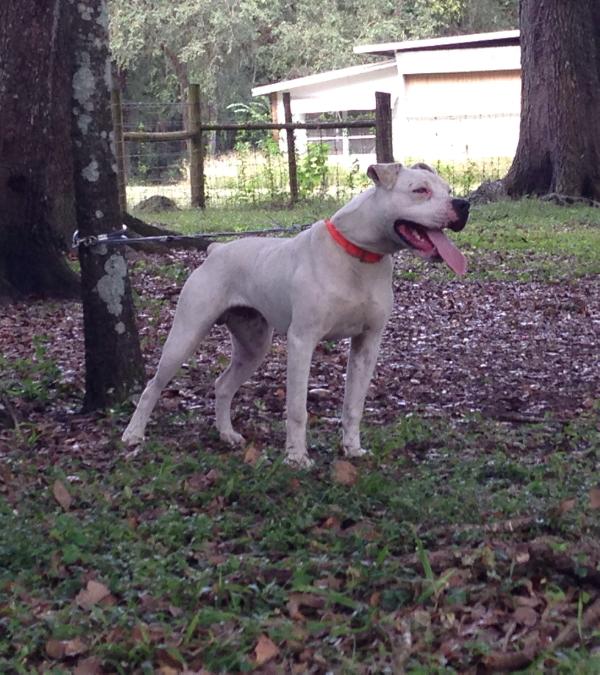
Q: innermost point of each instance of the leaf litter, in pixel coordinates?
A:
(482, 596)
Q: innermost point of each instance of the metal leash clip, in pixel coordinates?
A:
(95, 239)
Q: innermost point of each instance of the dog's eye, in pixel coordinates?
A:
(421, 190)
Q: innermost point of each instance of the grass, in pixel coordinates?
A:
(242, 218)
(204, 556)
(252, 177)
(528, 240)
(537, 240)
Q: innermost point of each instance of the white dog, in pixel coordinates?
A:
(331, 281)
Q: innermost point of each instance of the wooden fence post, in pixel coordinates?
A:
(383, 132)
(291, 149)
(274, 116)
(117, 120)
(196, 148)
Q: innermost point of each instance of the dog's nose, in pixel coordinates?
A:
(461, 208)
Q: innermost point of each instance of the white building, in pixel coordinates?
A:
(454, 98)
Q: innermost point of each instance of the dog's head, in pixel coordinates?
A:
(417, 206)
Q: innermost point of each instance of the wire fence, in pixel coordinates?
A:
(251, 166)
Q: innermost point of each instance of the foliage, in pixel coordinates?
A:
(228, 47)
(260, 175)
(255, 111)
(313, 170)
(31, 378)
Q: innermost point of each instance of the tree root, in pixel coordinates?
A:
(144, 229)
(566, 200)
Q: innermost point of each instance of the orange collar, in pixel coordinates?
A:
(351, 249)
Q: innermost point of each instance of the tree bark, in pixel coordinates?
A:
(559, 144)
(112, 352)
(37, 213)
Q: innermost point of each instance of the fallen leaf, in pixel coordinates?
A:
(75, 647)
(526, 616)
(90, 666)
(595, 498)
(93, 593)
(265, 650)
(527, 601)
(293, 608)
(522, 555)
(344, 473)
(251, 455)
(201, 481)
(60, 649)
(330, 523)
(168, 670)
(212, 477)
(298, 600)
(145, 633)
(139, 633)
(168, 663)
(61, 494)
(566, 505)
(55, 649)
(329, 582)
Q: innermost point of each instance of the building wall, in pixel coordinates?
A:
(458, 116)
(448, 104)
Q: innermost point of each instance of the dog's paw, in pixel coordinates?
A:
(356, 452)
(132, 438)
(299, 461)
(232, 438)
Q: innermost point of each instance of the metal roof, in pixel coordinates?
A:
(319, 78)
(389, 49)
(495, 39)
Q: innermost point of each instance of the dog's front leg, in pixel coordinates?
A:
(300, 351)
(361, 363)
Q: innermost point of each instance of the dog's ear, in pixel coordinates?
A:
(425, 167)
(384, 174)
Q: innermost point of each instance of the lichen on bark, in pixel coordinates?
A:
(111, 287)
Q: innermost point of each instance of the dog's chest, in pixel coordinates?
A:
(358, 299)
(356, 314)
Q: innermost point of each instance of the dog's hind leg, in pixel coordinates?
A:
(197, 311)
(250, 341)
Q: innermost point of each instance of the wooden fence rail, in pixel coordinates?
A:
(194, 137)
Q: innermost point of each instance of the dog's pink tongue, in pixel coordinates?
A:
(448, 251)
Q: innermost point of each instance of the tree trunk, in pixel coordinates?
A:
(37, 213)
(113, 358)
(559, 144)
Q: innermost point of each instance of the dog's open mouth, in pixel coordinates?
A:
(431, 244)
